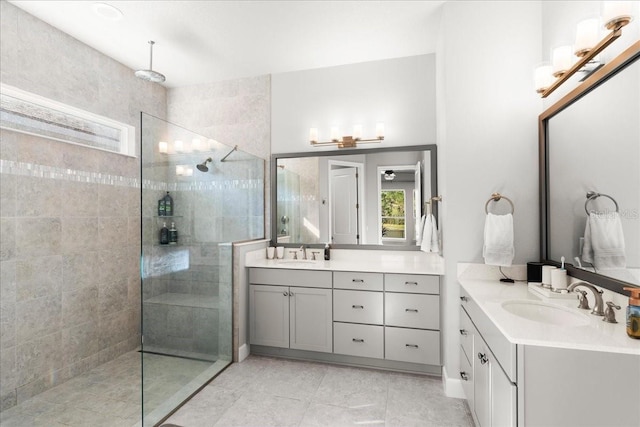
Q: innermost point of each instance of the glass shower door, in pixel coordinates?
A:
(186, 292)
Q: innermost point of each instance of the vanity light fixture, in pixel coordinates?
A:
(389, 175)
(349, 141)
(616, 14)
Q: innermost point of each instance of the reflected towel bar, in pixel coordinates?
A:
(592, 195)
(429, 203)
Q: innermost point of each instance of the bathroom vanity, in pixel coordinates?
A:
(530, 361)
(370, 308)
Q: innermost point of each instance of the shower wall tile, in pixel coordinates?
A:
(8, 281)
(81, 341)
(38, 357)
(7, 195)
(113, 230)
(37, 277)
(112, 297)
(7, 324)
(180, 322)
(78, 199)
(38, 317)
(79, 235)
(80, 270)
(79, 306)
(133, 293)
(8, 241)
(8, 377)
(113, 201)
(37, 236)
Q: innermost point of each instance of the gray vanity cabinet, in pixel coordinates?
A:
(491, 390)
(287, 316)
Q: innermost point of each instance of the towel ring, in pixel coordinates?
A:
(592, 195)
(495, 197)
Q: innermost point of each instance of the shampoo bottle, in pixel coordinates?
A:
(633, 313)
(164, 234)
(161, 207)
(168, 205)
(173, 234)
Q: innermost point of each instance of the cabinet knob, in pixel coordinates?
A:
(290, 293)
(464, 376)
(357, 340)
(358, 306)
(464, 332)
(285, 293)
(483, 358)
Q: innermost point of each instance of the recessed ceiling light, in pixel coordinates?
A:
(107, 11)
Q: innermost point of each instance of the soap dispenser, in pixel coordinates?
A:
(633, 313)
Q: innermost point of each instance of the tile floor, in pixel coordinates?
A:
(108, 395)
(264, 391)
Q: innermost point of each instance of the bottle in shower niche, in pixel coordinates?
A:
(164, 234)
(161, 211)
(168, 205)
(173, 234)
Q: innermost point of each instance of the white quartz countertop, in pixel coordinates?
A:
(596, 335)
(383, 261)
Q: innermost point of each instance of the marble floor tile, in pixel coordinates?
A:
(256, 409)
(321, 415)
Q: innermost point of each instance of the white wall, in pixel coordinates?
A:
(398, 92)
(487, 136)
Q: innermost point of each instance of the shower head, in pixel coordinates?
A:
(202, 167)
(150, 75)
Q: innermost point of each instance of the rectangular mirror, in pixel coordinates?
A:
(352, 198)
(590, 141)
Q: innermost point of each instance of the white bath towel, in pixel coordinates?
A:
(420, 230)
(604, 241)
(430, 235)
(498, 240)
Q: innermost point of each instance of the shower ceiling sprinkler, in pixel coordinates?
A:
(150, 75)
(202, 167)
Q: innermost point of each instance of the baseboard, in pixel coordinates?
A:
(452, 385)
(243, 352)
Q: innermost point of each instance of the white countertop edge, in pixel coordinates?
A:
(407, 262)
(596, 336)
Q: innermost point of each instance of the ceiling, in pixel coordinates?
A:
(205, 41)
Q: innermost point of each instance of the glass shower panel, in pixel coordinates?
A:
(187, 284)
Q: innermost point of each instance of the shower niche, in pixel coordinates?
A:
(217, 196)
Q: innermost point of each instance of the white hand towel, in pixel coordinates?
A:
(430, 235)
(604, 245)
(498, 240)
(420, 230)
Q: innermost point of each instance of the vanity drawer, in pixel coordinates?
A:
(290, 277)
(412, 311)
(466, 376)
(412, 283)
(412, 345)
(358, 306)
(358, 340)
(356, 280)
(466, 335)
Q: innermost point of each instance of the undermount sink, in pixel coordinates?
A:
(546, 313)
(296, 261)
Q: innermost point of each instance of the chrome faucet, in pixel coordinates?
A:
(304, 252)
(597, 293)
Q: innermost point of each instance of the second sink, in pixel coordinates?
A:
(546, 313)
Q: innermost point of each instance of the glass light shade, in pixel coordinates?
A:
(335, 133)
(616, 14)
(163, 147)
(188, 171)
(542, 77)
(179, 170)
(313, 134)
(178, 146)
(561, 60)
(357, 132)
(587, 36)
(196, 144)
(379, 130)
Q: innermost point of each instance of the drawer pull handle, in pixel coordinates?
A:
(357, 340)
(357, 280)
(483, 358)
(464, 332)
(357, 306)
(285, 293)
(464, 376)
(411, 310)
(411, 283)
(464, 298)
(411, 345)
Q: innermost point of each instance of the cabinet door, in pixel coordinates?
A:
(269, 315)
(311, 319)
(481, 383)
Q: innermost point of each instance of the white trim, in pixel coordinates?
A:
(243, 352)
(360, 168)
(127, 133)
(452, 386)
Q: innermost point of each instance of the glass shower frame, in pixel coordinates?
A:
(187, 287)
